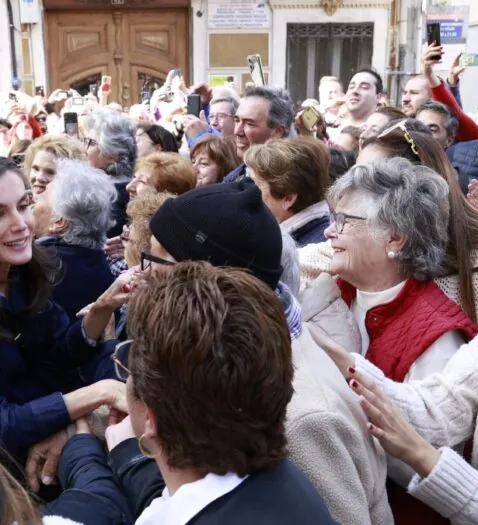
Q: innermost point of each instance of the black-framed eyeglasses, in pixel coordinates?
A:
(406, 135)
(120, 358)
(340, 220)
(90, 142)
(147, 259)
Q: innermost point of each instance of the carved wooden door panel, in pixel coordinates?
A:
(129, 45)
(155, 42)
(79, 46)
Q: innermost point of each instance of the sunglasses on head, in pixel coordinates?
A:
(406, 135)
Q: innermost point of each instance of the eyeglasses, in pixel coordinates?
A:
(340, 220)
(406, 135)
(120, 358)
(220, 117)
(147, 259)
(90, 142)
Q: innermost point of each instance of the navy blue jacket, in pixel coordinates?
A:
(464, 158)
(85, 275)
(281, 495)
(236, 174)
(37, 367)
(91, 493)
(312, 232)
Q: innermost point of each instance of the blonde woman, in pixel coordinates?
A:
(42, 156)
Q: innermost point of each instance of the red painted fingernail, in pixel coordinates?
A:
(351, 370)
(353, 383)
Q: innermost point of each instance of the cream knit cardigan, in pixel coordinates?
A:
(443, 409)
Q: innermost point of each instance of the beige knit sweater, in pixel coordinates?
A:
(329, 442)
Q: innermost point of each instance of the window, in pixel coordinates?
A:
(316, 50)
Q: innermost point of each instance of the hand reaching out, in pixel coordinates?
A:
(388, 425)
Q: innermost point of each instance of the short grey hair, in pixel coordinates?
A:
(234, 102)
(290, 264)
(83, 196)
(398, 196)
(281, 110)
(116, 138)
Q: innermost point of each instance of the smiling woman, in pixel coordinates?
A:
(39, 349)
(42, 156)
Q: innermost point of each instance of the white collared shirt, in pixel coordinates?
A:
(188, 500)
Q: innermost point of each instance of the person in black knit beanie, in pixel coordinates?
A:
(225, 224)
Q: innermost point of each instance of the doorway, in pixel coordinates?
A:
(128, 45)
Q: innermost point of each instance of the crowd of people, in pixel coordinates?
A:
(182, 296)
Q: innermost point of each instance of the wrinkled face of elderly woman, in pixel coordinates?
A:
(95, 157)
(361, 252)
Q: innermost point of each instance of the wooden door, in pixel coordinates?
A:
(129, 45)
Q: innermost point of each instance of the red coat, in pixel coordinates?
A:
(400, 332)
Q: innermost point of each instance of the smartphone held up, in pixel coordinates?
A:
(434, 37)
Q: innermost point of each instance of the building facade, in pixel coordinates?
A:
(71, 43)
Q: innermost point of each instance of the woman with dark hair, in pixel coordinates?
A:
(152, 138)
(39, 349)
(213, 158)
(461, 281)
(378, 120)
(340, 162)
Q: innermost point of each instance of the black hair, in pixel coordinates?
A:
(340, 162)
(376, 75)
(160, 136)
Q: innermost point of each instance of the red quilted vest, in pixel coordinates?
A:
(400, 332)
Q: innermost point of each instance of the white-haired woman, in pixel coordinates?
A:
(111, 147)
(389, 236)
(72, 219)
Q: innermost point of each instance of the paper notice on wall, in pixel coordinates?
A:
(238, 14)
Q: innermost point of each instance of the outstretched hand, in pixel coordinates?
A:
(389, 426)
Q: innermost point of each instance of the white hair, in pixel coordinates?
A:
(83, 196)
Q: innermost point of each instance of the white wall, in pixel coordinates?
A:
(199, 43)
(38, 47)
(281, 17)
(5, 60)
(6, 68)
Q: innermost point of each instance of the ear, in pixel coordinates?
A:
(150, 426)
(288, 201)
(278, 133)
(396, 242)
(59, 226)
(450, 141)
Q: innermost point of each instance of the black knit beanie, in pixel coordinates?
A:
(225, 224)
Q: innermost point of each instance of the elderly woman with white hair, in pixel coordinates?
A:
(111, 147)
(389, 236)
(72, 220)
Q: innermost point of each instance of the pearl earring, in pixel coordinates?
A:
(391, 254)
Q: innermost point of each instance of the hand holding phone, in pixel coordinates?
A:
(194, 105)
(310, 117)
(434, 37)
(106, 84)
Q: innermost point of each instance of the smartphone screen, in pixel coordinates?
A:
(310, 117)
(256, 69)
(71, 124)
(194, 105)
